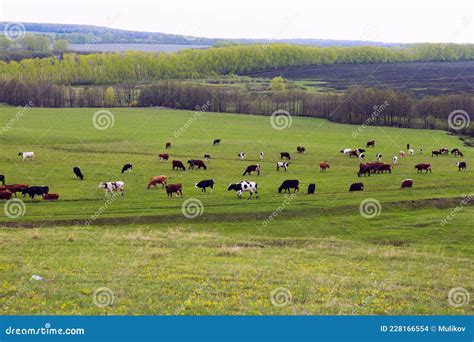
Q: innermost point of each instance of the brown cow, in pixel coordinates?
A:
(50, 197)
(196, 163)
(168, 145)
(14, 188)
(421, 167)
(381, 168)
(323, 166)
(177, 164)
(5, 195)
(353, 153)
(407, 183)
(285, 155)
(163, 156)
(300, 149)
(174, 188)
(370, 143)
(157, 180)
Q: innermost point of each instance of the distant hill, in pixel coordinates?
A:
(88, 34)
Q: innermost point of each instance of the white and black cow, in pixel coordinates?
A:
(241, 155)
(127, 168)
(394, 160)
(283, 165)
(207, 156)
(260, 155)
(27, 155)
(110, 187)
(244, 186)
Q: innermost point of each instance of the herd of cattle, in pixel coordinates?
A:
(365, 169)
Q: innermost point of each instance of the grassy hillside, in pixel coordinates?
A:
(229, 260)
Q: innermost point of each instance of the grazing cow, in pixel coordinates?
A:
(300, 149)
(364, 169)
(208, 183)
(50, 197)
(353, 153)
(174, 188)
(461, 165)
(177, 164)
(252, 168)
(14, 188)
(242, 186)
(32, 191)
(2, 179)
(444, 151)
(283, 165)
(362, 156)
(395, 160)
(289, 184)
(168, 145)
(241, 155)
(357, 187)
(78, 173)
(110, 187)
(163, 156)
(378, 157)
(5, 195)
(421, 150)
(323, 166)
(27, 155)
(127, 168)
(407, 183)
(207, 157)
(370, 143)
(402, 154)
(285, 155)
(411, 152)
(157, 180)
(311, 188)
(216, 142)
(196, 163)
(456, 152)
(381, 168)
(360, 150)
(260, 155)
(346, 151)
(435, 153)
(421, 167)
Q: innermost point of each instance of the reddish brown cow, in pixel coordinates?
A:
(174, 188)
(163, 156)
(196, 163)
(177, 164)
(381, 168)
(370, 143)
(323, 166)
(5, 195)
(407, 183)
(157, 180)
(365, 169)
(285, 155)
(51, 197)
(421, 167)
(14, 188)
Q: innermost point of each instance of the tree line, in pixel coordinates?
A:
(145, 67)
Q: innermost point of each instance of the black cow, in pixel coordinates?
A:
(77, 173)
(461, 166)
(208, 183)
(32, 191)
(216, 142)
(127, 168)
(357, 187)
(360, 150)
(311, 188)
(177, 164)
(252, 168)
(289, 184)
(2, 179)
(285, 155)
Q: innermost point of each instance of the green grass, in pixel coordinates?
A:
(228, 261)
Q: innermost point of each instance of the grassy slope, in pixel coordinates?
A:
(320, 248)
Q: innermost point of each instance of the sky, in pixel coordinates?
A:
(403, 21)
